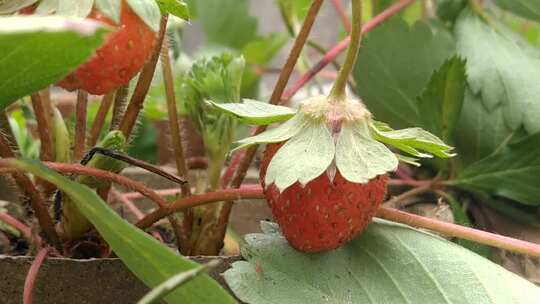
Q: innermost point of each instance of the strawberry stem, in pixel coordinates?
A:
(338, 91)
(391, 214)
(340, 47)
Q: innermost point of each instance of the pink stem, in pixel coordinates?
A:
(229, 173)
(340, 47)
(32, 275)
(137, 195)
(20, 226)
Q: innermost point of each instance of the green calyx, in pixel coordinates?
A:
(324, 135)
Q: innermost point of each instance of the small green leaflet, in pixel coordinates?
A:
(148, 11)
(176, 8)
(408, 160)
(512, 172)
(387, 263)
(440, 104)
(501, 69)
(281, 133)
(313, 151)
(110, 8)
(411, 140)
(256, 112)
(525, 8)
(359, 157)
(151, 261)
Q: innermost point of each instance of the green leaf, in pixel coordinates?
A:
(220, 79)
(256, 112)
(480, 131)
(512, 172)
(148, 259)
(317, 149)
(501, 69)
(411, 140)
(12, 6)
(408, 160)
(359, 157)
(395, 65)
(449, 10)
(63, 45)
(262, 50)
(440, 104)
(388, 263)
(110, 8)
(525, 8)
(163, 289)
(70, 8)
(148, 11)
(177, 8)
(281, 133)
(227, 22)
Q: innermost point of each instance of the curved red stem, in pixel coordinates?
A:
(31, 277)
(20, 226)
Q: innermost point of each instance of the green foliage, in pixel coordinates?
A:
(148, 259)
(178, 8)
(226, 22)
(63, 45)
(28, 147)
(526, 8)
(293, 13)
(412, 141)
(256, 112)
(443, 99)
(144, 145)
(218, 79)
(262, 50)
(388, 263)
(503, 70)
(395, 65)
(449, 10)
(480, 131)
(512, 172)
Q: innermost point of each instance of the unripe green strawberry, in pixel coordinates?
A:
(119, 59)
(323, 214)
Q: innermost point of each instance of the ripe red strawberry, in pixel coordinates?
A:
(322, 215)
(119, 59)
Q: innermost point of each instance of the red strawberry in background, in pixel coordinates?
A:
(323, 214)
(119, 59)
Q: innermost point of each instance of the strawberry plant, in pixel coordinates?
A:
(386, 179)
